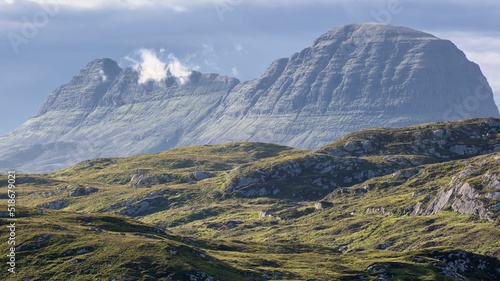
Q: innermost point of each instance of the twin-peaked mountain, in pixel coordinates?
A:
(353, 77)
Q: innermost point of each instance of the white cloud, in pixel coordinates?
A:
(113, 4)
(150, 67)
(218, 60)
(209, 56)
(222, 5)
(103, 75)
(235, 72)
(176, 5)
(176, 69)
(239, 48)
(153, 68)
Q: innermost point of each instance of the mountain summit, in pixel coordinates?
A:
(353, 77)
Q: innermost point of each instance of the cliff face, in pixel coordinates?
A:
(353, 77)
(100, 114)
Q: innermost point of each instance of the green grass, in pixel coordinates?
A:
(127, 248)
(222, 235)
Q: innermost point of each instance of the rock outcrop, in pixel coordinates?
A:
(83, 191)
(144, 206)
(141, 178)
(319, 174)
(353, 77)
(372, 153)
(441, 141)
(461, 265)
(456, 265)
(55, 205)
(463, 198)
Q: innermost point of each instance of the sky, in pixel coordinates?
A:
(44, 43)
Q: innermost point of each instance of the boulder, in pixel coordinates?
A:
(320, 205)
(83, 191)
(56, 205)
(199, 175)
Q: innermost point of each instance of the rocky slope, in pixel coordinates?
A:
(365, 155)
(379, 204)
(353, 77)
(103, 111)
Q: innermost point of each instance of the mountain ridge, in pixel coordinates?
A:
(97, 76)
(353, 77)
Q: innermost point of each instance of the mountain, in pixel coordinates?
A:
(414, 203)
(354, 77)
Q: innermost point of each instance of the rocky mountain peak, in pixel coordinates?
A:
(85, 89)
(373, 32)
(353, 77)
(356, 77)
(105, 67)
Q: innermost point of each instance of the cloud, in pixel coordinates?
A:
(209, 56)
(158, 65)
(235, 72)
(239, 48)
(175, 5)
(107, 4)
(176, 69)
(152, 68)
(179, 5)
(103, 75)
(223, 5)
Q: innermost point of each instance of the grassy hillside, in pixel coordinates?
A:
(416, 203)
